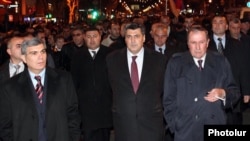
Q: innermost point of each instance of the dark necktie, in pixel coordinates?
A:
(17, 69)
(220, 46)
(200, 65)
(39, 89)
(134, 74)
(94, 54)
(161, 51)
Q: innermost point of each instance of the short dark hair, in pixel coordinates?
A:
(134, 26)
(92, 28)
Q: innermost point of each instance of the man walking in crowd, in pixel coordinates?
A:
(71, 47)
(39, 104)
(244, 41)
(15, 64)
(114, 34)
(90, 75)
(198, 86)
(238, 59)
(136, 76)
(161, 43)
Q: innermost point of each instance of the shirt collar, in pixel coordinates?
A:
(130, 54)
(163, 47)
(42, 74)
(203, 58)
(96, 50)
(223, 38)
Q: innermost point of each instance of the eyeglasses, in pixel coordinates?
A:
(76, 35)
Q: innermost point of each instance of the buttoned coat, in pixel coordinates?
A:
(94, 93)
(19, 115)
(185, 86)
(4, 72)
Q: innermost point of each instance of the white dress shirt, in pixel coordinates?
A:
(139, 61)
(203, 61)
(162, 47)
(34, 81)
(223, 40)
(96, 50)
(12, 68)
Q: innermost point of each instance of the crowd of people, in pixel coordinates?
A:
(144, 79)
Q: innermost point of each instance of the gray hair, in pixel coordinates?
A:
(30, 43)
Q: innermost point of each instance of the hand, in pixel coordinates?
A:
(215, 94)
(246, 98)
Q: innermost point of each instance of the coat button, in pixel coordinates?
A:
(196, 117)
(196, 99)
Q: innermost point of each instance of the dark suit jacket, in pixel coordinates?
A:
(185, 109)
(171, 48)
(137, 117)
(244, 49)
(93, 89)
(67, 52)
(235, 54)
(4, 72)
(19, 116)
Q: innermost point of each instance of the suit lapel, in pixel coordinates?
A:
(148, 62)
(124, 68)
(28, 89)
(50, 87)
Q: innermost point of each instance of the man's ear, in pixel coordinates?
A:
(8, 51)
(23, 58)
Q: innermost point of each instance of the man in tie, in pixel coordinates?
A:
(89, 72)
(136, 76)
(160, 43)
(236, 54)
(15, 64)
(196, 92)
(244, 41)
(44, 109)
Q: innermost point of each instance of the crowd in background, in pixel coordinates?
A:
(164, 34)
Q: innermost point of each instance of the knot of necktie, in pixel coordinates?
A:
(94, 54)
(17, 69)
(38, 78)
(200, 64)
(220, 46)
(134, 58)
(161, 51)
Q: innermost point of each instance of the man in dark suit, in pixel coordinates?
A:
(198, 86)
(180, 32)
(161, 43)
(14, 65)
(164, 46)
(244, 41)
(136, 76)
(39, 104)
(70, 48)
(236, 55)
(90, 75)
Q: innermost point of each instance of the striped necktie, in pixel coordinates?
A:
(39, 89)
